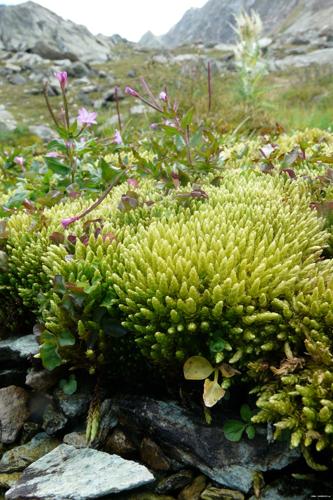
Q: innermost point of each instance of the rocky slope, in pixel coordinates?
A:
(29, 27)
(284, 18)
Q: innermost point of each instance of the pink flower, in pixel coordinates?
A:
(86, 117)
(132, 92)
(163, 96)
(68, 221)
(19, 160)
(133, 183)
(52, 154)
(117, 139)
(62, 78)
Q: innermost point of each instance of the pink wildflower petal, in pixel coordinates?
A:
(132, 92)
(52, 154)
(86, 117)
(19, 160)
(66, 222)
(163, 96)
(133, 182)
(62, 78)
(117, 139)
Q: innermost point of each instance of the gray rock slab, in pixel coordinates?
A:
(69, 473)
(18, 348)
(13, 412)
(188, 439)
(17, 459)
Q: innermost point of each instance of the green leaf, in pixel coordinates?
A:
(50, 356)
(250, 431)
(217, 346)
(69, 386)
(233, 430)
(187, 119)
(56, 166)
(197, 368)
(246, 413)
(65, 339)
(213, 392)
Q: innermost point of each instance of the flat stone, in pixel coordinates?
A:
(7, 120)
(68, 473)
(153, 456)
(12, 376)
(53, 420)
(212, 493)
(73, 405)
(76, 439)
(186, 437)
(120, 444)
(175, 481)
(18, 348)
(8, 480)
(193, 491)
(13, 412)
(43, 132)
(17, 459)
(40, 380)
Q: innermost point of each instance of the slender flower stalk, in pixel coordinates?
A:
(48, 104)
(116, 95)
(209, 76)
(66, 222)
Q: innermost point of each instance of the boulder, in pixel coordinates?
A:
(69, 473)
(17, 459)
(29, 27)
(7, 120)
(188, 439)
(18, 348)
(13, 412)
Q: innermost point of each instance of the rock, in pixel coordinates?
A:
(160, 59)
(7, 122)
(89, 89)
(212, 493)
(153, 456)
(17, 79)
(174, 482)
(188, 439)
(76, 439)
(29, 27)
(8, 480)
(78, 70)
(74, 405)
(17, 459)
(80, 474)
(102, 74)
(27, 61)
(147, 496)
(193, 490)
(139, 109)
(43, 132)
(18, 348)
(131, 73)
(112, 95)
(319, 57)
(13, 412)
(108, 421)
(53, 420)
(40, 380)
(120, 444)
(12, 68)
(289, 488)
(12, 376)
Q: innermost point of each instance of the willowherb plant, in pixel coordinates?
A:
(248, 54)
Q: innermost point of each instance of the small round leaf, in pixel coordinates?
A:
(197, 368)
